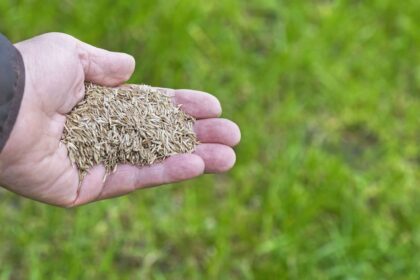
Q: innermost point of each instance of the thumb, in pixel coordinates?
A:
(104, 67)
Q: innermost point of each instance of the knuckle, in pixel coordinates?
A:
(58, 36)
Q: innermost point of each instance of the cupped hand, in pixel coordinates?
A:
(34, 163)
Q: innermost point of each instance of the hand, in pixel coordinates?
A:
(35, 165)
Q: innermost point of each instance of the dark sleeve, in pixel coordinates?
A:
(12, 84)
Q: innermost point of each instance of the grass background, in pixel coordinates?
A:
(327, 181)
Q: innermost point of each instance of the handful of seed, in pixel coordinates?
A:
(134, 124)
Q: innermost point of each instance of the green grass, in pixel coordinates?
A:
(327, 181)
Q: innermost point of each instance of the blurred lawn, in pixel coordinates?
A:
(327, 182)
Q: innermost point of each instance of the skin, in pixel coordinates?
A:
(34, 164)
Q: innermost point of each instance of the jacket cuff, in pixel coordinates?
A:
(12, 85)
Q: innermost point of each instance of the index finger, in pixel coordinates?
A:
(199, 104)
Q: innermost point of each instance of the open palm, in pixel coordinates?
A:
(34, 163)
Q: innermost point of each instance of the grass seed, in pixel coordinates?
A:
(131, 124)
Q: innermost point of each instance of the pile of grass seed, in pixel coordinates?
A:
(134, 124)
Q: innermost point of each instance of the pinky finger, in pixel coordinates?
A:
(128, 178)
